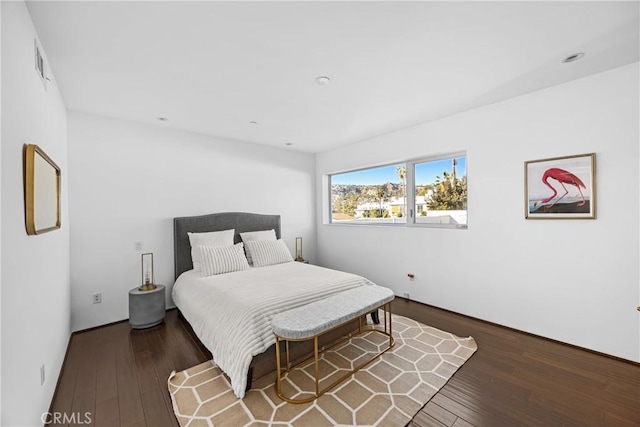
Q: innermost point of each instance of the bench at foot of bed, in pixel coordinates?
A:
(312, 320)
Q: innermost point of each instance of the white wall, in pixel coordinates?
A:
(570, 280)
(35, 269)
(0, 213)
(127, 183)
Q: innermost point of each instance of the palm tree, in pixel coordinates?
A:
(401, 170)
(380, 196)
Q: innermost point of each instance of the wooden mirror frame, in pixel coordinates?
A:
(41, 191)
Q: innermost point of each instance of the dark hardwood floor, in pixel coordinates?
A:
(517, 379)
(119, 376)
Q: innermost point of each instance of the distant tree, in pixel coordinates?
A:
(380, 196)
(449, 193)
(338, 203)
(350, 205)
(402, 174)
(424, 190)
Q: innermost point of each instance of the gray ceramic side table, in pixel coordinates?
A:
(146, 308)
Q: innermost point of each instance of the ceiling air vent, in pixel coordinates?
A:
(41, 68)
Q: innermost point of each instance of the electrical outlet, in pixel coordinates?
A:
(42, 374)
(137, 246)
(406, 295)
(97, 298)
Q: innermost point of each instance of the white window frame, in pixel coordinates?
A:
(411, 190)
(409, 194)
(355, 223)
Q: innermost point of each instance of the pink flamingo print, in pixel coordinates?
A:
(563, 177)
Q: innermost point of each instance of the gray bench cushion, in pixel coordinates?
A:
(313, 319)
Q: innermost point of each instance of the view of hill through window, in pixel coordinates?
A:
(379, 195)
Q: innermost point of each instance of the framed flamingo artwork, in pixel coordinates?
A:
(561, 187)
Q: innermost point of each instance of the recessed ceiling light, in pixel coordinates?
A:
(573, 57)
(253, 122)
(162, 119)
(288, 143)
(323, 80)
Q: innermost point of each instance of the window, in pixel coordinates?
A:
(440, 191)
(375, 195)
(380, 195)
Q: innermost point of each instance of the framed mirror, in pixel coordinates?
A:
(41, 191)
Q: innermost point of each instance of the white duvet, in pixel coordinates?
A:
(231, 313)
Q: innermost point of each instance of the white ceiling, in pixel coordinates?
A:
(213, 67)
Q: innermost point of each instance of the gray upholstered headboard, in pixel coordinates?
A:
(240, 221)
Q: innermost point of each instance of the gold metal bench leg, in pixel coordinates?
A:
(385, 309)
(390, 325)
(315, 350)
(278, 385)
(288, 361)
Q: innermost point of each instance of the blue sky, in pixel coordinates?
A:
(425, 173)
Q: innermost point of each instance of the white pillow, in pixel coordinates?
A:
(257, 235)
(268, 252)
(213, 238)
(222, 259)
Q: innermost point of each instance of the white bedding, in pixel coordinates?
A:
(231, 313)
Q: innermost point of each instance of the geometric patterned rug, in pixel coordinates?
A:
(387, 392)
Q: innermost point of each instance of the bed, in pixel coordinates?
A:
(230, 313)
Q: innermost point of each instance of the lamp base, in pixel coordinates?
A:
(147, 287)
